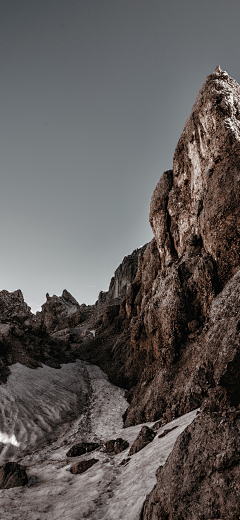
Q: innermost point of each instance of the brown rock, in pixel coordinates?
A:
(109, 446)
(124, 461)
(12, 475)
(83, 466)
(145, 436)
(202, 197)
(161, 344)
(115, 445)
(120, 445)
(200, 480)
(61, 312)
(23, 336)
(81, 448)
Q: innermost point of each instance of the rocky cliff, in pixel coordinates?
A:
(168, 328)
(175, 341)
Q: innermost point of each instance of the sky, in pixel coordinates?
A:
(94, 96)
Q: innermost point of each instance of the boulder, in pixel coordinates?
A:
(109, 446)
(81, 448)
(145, 436)
(12, 475)
(83, 466)
(120, 445)
(115, 446)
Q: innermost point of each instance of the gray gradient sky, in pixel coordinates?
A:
(94, 95)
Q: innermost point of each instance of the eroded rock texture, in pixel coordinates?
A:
(12, 475)
(173, 340)
(24, 338)
(154, 340)
(61, 312)
(201, 478)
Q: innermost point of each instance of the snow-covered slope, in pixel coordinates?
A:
(46, 411)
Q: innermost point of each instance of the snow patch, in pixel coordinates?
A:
(35, 405)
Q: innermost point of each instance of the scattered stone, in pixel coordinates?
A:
(124, 461)
(81, 448)
(12, 475)
(165, 432)
(145, 436)
(82, 466)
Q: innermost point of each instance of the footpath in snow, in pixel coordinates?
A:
(43, 412)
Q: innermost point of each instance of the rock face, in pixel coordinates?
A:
(200, 479)
(12, 475)
(174, 340)
(123, 276)
(23, 337)
(155, 341)
(199, 199)
(61, 312)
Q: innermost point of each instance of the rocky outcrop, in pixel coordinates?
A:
(200, 479)
(199, 200)
(145, 436)
(12, 475)
(23, 337)
(120, 445)
(167, 329)
(123, 276)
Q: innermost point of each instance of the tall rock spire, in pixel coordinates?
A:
(201, 196)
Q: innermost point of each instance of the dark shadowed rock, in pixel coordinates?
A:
(124, 461)
(165, 432)
(120, 445)
(145, 436)
(12, 475)
(109, 446)
(158, 425)
(81, 448)
(83, 466)
(115, 445)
